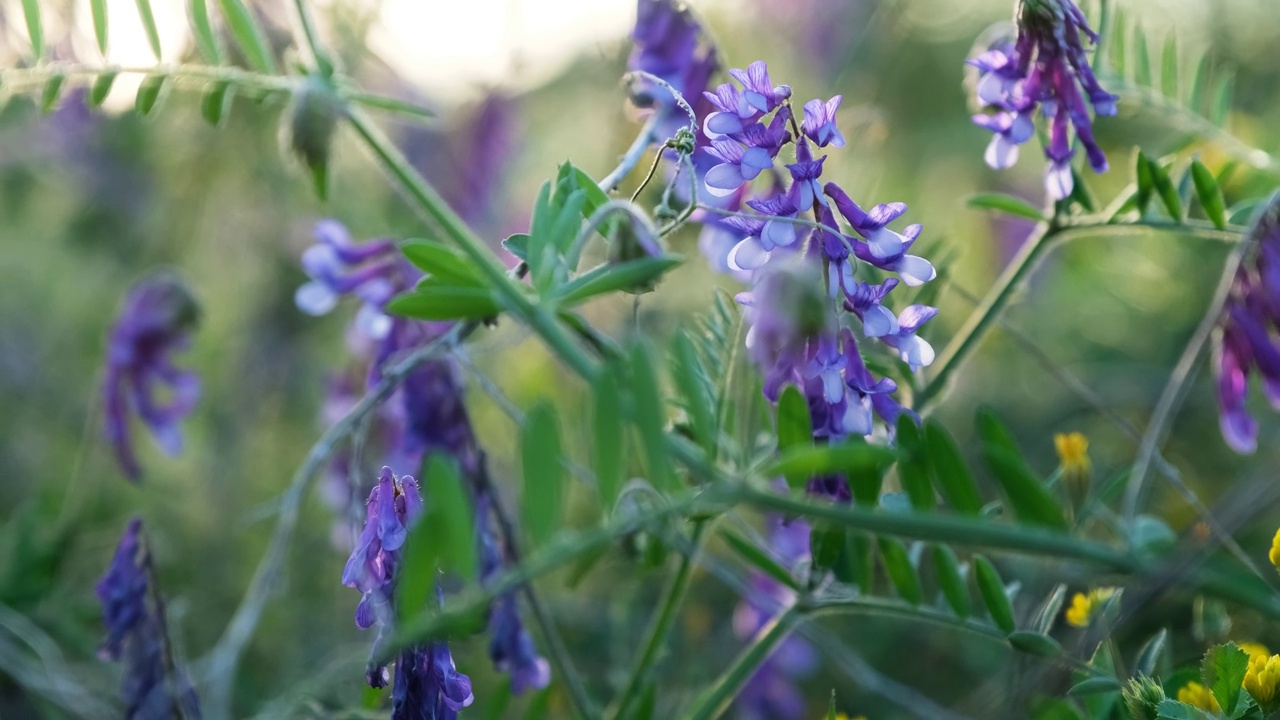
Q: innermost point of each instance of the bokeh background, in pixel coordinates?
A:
(90, 200)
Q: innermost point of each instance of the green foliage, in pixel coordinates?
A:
(1223, 669)
(542, 497)
(949, 472)
(149, 93)
(991, 588)
(951, 580)
(913, 464)
(1036, 644)
(98, 9)
(442, 539)
(35, 27)
(1210, 194)
(795, 430)
(248, 34)
(694, 384)
(650, 418)
(1008, 204)
(608, 448)
(862, 463)
(148, 19)
(1030, 500)
(758, 558)
(901, 571)
(202, 28)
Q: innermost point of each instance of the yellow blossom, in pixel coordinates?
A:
(1085, 607)
(1275, 550)
(1263, 681)
(1073, 455)
(1254, 650)
(1193, 693)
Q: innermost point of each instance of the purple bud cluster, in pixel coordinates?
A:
(152, 685)
(1248, 341)
(140, 377)
(1046, 67)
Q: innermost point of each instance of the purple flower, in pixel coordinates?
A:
(883, 248)
(913, 350)
(805, 171)
(865, 302)
(758, 90)
(1248, 339)
(738, 165)
(820, 122)
(155, 322)
(510, 646)
(338, 266)
(786, 309)
(428, 686)
(668, 44)
(1046, 68)
(153, 686)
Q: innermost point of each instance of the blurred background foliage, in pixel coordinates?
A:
(90, 200)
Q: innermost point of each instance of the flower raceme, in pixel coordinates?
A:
(140, 377)
(1045, 68)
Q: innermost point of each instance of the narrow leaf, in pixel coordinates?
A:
(949, 471)
(1146, 182)
(831, 707)
(98, 8)
(1008, 204)
(216, 103)
(607, 437)
(1166, 189)
(149, 25)
(691, 378)
(52, 92)
(148, 94)
(1030, 500)
(391, 105)
(826, 543)
(756, 557)
(448, 519)
(1169, 68)
(541, 499)
(913, 465)
(579, 180)
(858, 460)
(1221, 108)
(248, 34)
(1036, 644)
(902, 573)
(950, 580)
(1149, 654)
(629, 275)
(1095, 685)
(1049, 609)
(1210, 194)
(650, 418)
(439, 301)
(439, 260)
(1199, 81)
(35, 30)
(1116, 37)
(1141, 57)
(202, 28)
(795, 429)
(101, 87)
(991, 588)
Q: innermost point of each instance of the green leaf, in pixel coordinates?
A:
(541, 498)
(439, 260)
(1141, 57)
(576, 179)
(1080, 192)
(831, 708)
(1210, 194)
(1146, 183)
(695, 388)
(202, 29)
(826, 544)
(35, 30)
(795, 429)
(148, 94)
(216, 103)
(857, 564)
(1036, 644)
(1095, 685)
(650, 419)
(991, 588)
(1221, 108)
(950, 473)
(1116, 37)
(1050, 609)
(449, 516)
(864, 464)
(913, 464)
(607, 447)
(249, 35)
(435, 300)
(98, 8)
(1223, 669)
(1199, 80)
(628, 275)
(1174, 710)
(1148, 658)
(149, 25)
(758, 558)
(1008, 204)
(1169, 68)
(1029, 498)
(518, 245)
(52, 92)
(901, 572)
(101, 87)
(1165, 188)
(950, 580)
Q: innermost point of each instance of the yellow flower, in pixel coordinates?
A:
(1073, 455)
(1085, 607)
(1254, 649)
(1193, 693)
(1275, 550)
(1263, 681)
(842, 716)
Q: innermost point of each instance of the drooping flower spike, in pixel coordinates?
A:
(140, 377)
(1046, 68)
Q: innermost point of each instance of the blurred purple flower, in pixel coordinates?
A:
(428, 686)
(510, 646)
(156, 321)
(152, 686)
(1045, 68)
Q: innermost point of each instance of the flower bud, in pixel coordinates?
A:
(1142, 695)
(313, 117)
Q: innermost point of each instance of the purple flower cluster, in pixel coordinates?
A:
(1046, 68)
(668, 44)
(1248, 344)
(812, 277)
(156, 321)
(427, 683)
(135, 635)
(510, 646)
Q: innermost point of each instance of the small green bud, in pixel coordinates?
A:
(1142, 695)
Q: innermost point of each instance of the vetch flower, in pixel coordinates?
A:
(153, 686)
(820, 122)
(738, 165)
(757, 89)
(912, 348)
(510, 646)
(140, 377)
(1199, 696)
(1046, 68)
(428, 685)
(337, 266)
(864, 300)
(1084, 608)
(1262, 681)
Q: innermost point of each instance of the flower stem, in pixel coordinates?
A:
(660, 625)
(713, 703)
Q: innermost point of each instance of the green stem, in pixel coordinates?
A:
(433, 208)
(660, 625)
(307, 24)
(713, 703)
